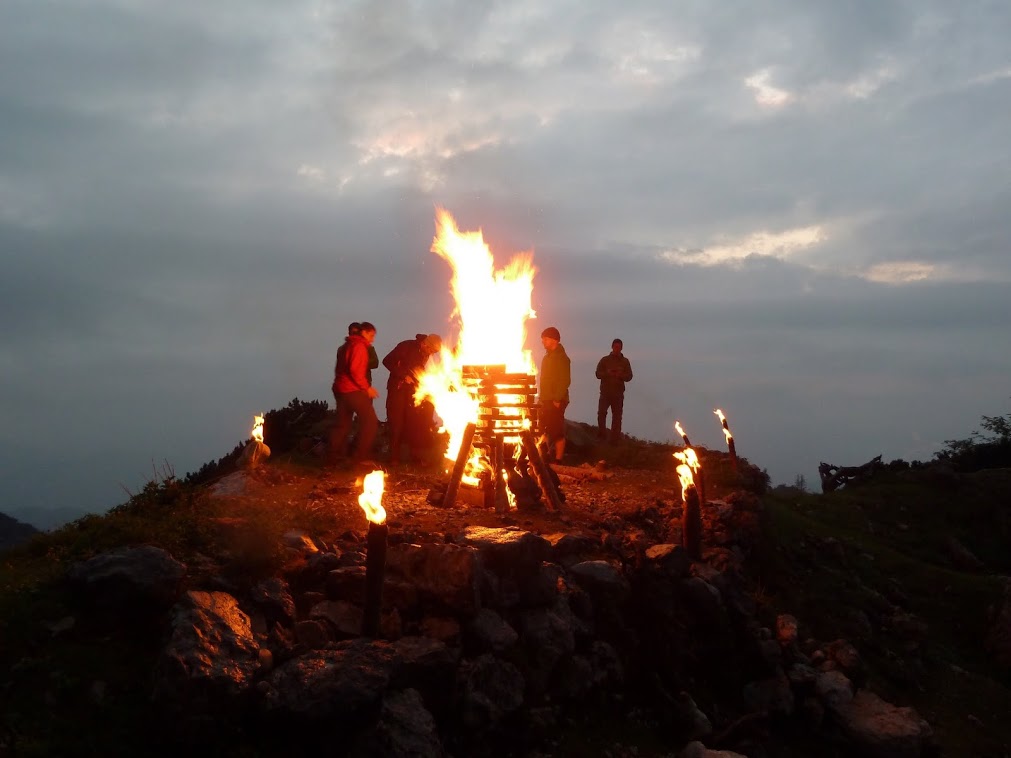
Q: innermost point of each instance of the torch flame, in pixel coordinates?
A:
(687, 480)
(258, 428)
(678, 429)
(372, 495)
(726, 427)
(689, 458)
(492, 308)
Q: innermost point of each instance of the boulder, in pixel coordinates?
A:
(129, 580)
(882, 730)
(405, 729)
(211, 654)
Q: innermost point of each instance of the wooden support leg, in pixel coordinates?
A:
(544, 480)
(449, 500)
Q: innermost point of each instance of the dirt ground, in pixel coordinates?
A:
(330, 497)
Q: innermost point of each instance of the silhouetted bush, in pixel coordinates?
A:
(981, 451)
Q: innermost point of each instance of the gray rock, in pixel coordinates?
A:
(273, 598)
(786, 629)
(882, 730)
(508, 551)
(327, 687)
(601, 579)
(490, 689)
(834, 688)
(489, 632)
(772, 695)
(446, 576)
(670, 560)
(406, 729)
(130, 580)
(211, 653)
(345, 618)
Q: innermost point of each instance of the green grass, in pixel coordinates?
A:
(892, 536)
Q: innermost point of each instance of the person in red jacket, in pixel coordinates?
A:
(406, 362)
(354, 396)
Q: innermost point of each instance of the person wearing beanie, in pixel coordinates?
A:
(613, 371)
(553, 390)
(406, 420)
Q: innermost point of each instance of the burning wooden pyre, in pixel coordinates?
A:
(498, 455)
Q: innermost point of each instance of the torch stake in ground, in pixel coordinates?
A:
(679, 430)
(730, 439)
(691, 514)
(375, 550)
(692, 460)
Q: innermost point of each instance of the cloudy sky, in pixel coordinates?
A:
(795, 211)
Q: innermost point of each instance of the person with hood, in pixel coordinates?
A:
(355, 328)
(555, 378)
(354, 394)
(405, 363)
(613, 371)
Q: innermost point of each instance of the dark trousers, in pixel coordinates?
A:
(349, 405)
(400, 413)
(616, 402)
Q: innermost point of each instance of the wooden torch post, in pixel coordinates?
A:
(731, 447)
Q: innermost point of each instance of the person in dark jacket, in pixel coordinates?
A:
(405, 363)
(354, 394)
(553, 390)
(613, 371)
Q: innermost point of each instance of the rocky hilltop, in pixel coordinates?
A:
(227, 616)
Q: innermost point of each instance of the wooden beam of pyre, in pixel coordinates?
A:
(453, 487)
(540, 469)
(506, 411)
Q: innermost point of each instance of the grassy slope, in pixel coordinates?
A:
(892, 534)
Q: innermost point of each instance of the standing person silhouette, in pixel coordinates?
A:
(354, 394)
(613, 371)
(553, 391)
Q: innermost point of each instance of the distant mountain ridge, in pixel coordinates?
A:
(14, 532)
(47, 519)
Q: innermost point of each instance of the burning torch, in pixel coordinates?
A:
(691, 459)
(730, 439)
(691, 514)
(255, 450)
(375, 551)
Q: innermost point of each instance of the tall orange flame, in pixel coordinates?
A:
(372, 496)
(257, 432)
(492, 308)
